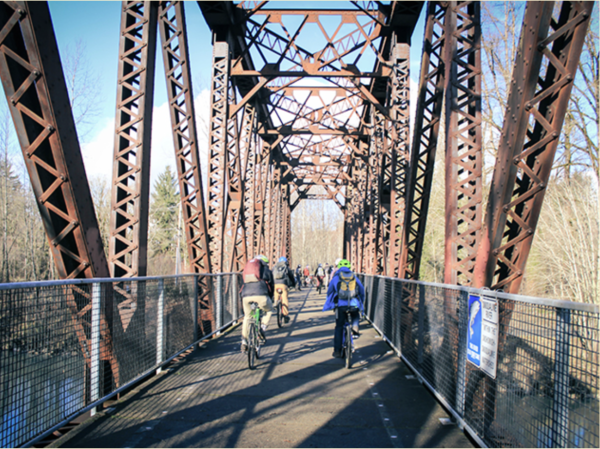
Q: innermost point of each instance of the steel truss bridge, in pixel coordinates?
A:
(289, 122)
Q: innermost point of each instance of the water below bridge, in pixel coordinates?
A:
(298, 396)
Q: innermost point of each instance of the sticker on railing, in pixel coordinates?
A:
(482, 334)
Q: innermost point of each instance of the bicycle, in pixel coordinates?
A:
(347, 336)
(254, 336)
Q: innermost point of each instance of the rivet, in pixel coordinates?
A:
(50, 128)
(541, 47)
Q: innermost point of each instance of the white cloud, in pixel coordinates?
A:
(98, 153)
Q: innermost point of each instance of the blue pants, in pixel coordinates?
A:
(340, 320)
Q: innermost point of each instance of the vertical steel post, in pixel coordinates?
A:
(160, 324)
(461, 377)
(425, 139)
(219, 301)
(560, 403)
(464, 154)
(173, 34)
(217, 195)
(95, 344)
(128, 241)
(194, 309)
(235, 294)
(399, 152)
(421, 332)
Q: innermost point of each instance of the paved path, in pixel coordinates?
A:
(299, 396)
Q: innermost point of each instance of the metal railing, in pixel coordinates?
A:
(68, 346)
(537, 380)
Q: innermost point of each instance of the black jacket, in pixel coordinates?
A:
(288, 280)
(262, 288)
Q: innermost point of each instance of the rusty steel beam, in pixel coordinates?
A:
(464, 153)
(425, 139)
(37, 97)
(543, 76)
(217, 160)
(173, 34)
(128, 243)
(236, 220)
(398, 104)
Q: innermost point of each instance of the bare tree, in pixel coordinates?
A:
(83, 85)
(566, 246)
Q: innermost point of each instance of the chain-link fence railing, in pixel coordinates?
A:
(67, 346)
(515, 371)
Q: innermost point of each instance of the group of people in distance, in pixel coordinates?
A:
(322, 274)
(344, 290)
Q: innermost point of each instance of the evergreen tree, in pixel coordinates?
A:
(163, 223)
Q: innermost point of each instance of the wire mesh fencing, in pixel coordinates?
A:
(67, 346)
(515, 371)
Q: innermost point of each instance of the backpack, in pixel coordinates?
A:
(280, 271)
(320, 271)
(347, 288)
(251, 271)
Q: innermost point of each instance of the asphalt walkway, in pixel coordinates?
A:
(298, 396)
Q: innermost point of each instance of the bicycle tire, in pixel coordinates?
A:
(348, 347)
(252, 340)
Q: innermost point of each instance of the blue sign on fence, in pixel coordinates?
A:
(474, 331)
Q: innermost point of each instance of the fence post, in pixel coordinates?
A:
(396, 319)
(560, 406)
(235, 295)
(95, 345)
(461, 372)
(160, 324)
(421, 330)
(219, 302)
(195, 308)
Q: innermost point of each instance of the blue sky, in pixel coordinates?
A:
(96, 25)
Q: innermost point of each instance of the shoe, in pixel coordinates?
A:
(355, 333)
(286, 319)
(337, 354)
(244, 346)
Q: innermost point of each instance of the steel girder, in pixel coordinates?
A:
(304, 127)
(131, 175)
(464, 155)
(133, 128)
(545, 66)
(217, 159)
(399, 91)
(35, 88)
(543, 77)
(36, 93)
(425, 139)
(173, 33)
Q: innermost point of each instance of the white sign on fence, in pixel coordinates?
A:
(482, 336)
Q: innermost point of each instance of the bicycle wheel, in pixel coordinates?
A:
(348, 347)
(252, 342)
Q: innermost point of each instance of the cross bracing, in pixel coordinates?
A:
(305, 104)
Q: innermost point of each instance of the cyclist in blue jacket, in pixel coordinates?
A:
(333, 302)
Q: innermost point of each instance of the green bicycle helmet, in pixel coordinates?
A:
(263, 258)
(344, 263)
